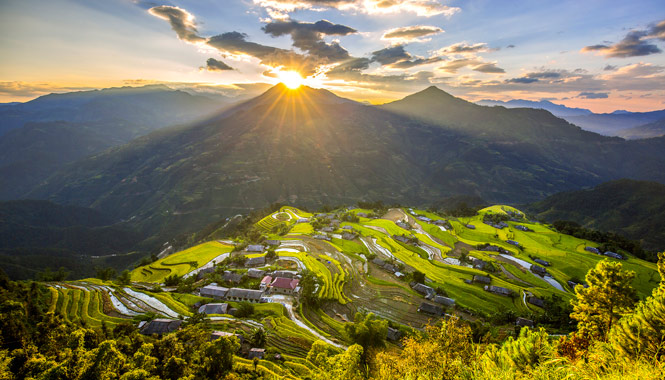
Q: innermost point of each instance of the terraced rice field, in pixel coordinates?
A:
(180, 263)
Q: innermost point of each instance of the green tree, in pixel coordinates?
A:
(105, 274)
(643, 332)
(257, 337)
(608, 297)
(367, 331)
(217, 358)
(124, 278)
(309, 284)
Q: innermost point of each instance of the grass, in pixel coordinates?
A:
(180, 263)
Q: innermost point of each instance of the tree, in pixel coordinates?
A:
(257, 337)
(124, 278)
(367, 331)
(105, 274)
(218, 357)
(309, 285)
(172, 280)
(643, 332)
(608, 297)
(245, 309)
(418, 276)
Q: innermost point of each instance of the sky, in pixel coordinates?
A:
(600, 55)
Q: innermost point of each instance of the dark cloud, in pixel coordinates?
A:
(308, 37)
(635, 44)
(593, 95)
(489, 68)
(397, 57)
(522, 80)
(511, 46)
(411, 33)
(236, 43)
(544, 75)
(182, 22)
(214, 65)
(609, 68)
(454, 65)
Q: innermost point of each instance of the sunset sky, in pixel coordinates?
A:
(601, 55)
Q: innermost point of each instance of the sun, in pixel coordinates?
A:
(291, 79)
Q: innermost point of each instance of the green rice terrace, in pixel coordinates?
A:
(405, 265)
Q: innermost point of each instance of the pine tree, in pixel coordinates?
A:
(607, 298)
(643, 332)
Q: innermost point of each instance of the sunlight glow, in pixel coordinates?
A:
(291, 79)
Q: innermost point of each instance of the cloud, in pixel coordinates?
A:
(32, 89)
(464, 48)
(308, 37)
(214, 65)
(635, 44)
(593, 95)
(609, 68)
(182, 22)
(522, 80)
(489, 68)
(236, 43)
(425, 8)
(411, 33)
(397, 57)
(511, 46)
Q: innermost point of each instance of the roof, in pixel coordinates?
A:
(255, 248)
(430, 309)
(160, 326)
(257, 353)
(284, 283)
(483, 279)
(232, 277)
(266, 280)
(423, 289)
(255, 261)
(536, 301)
(255, 273)
(284, 273)
(214, 308)
(444, 300)
(499, 290)
(523, 322)
(393, 334)
(248, 294)
(214, 291)
(218, 334)
(273, 242)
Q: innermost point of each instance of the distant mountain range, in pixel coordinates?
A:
(635, 209)
(309, 147)
(40, 136)
(629, 125)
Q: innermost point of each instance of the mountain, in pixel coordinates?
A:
(309, 147)
(612, 124)
(556, 109)
(655, 129)
(629, 125)
(635, 209)
(40, 136)
(35, 235)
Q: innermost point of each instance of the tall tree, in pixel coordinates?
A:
(608, 297)
(643, 332)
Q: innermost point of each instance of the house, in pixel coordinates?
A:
(321, 216)
(361, 215)
(536, 301)
(522, 228)
(265, 282)
(513, 242)
(255, 261)
(404, 225)
(257, 353)
(348, 236)
(393, 334)
(479, 264)
(335, 222)
(159, 326)
(470, 226)
(285, 273)
(203, 272)
(592, 250)
(537, 269)
(273, 243)
(613, 255)
(321, 237)
(255, 273)
(523, 322)
(482, 279)
(232, 277)
(491, 248)
(423, 219)
(302, 220)
(214, 308)
(402, 239)
(214, 291)
(244, 295)
(542, 262)
(255, 248)
(444, 301)
(428, 308)
(283, 285)
(328, 229)
(399, 275)
(441, 222)
(498, 290)
(423, 289)
(218, 334)
(347, 228)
